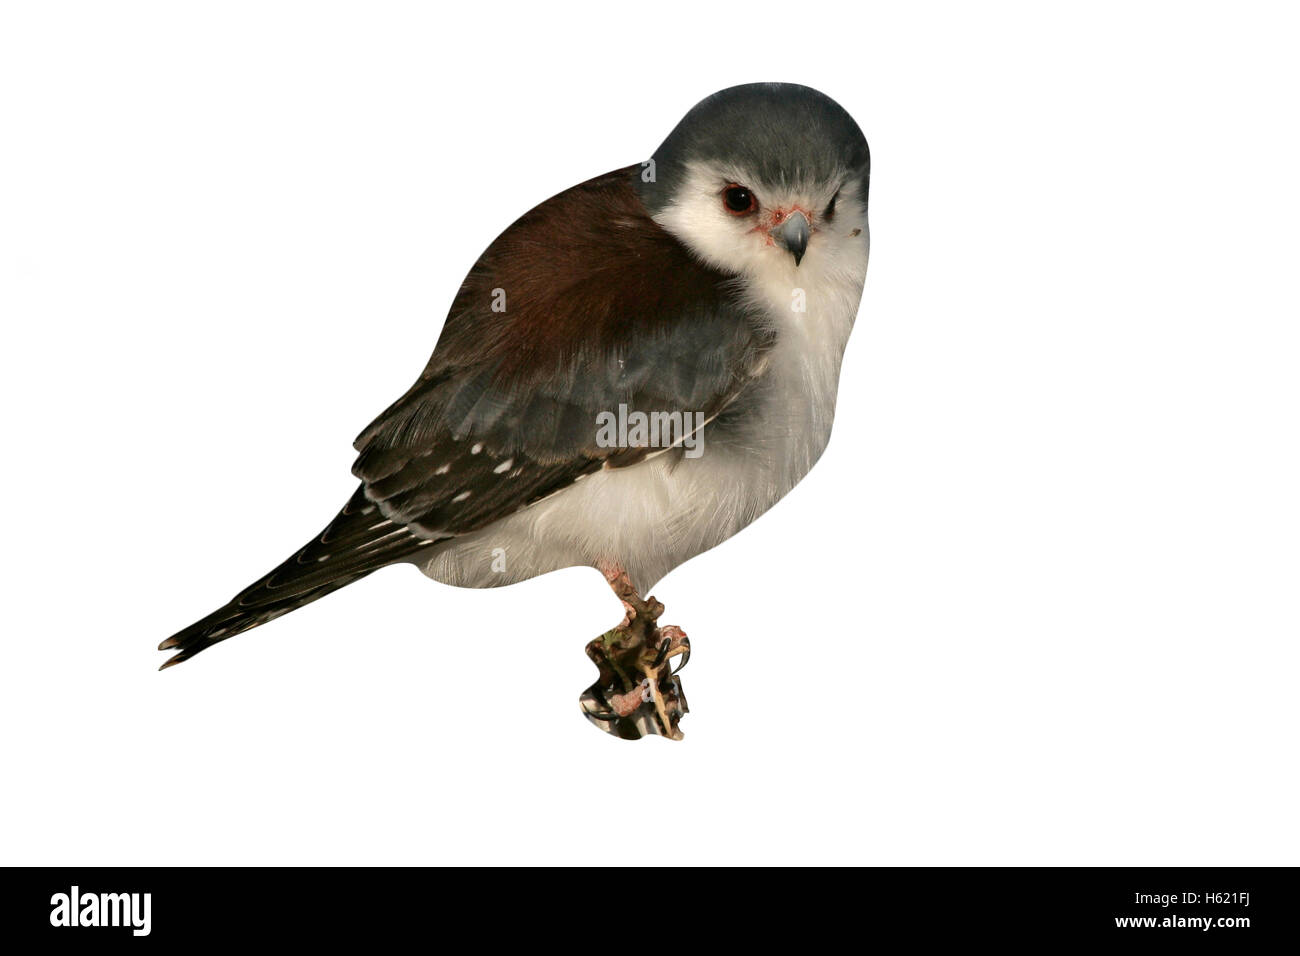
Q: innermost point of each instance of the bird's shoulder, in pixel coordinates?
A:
(587, 269)
(581, 305)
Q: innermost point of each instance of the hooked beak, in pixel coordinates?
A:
(793, 234)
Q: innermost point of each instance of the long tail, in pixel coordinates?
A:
(359, 540)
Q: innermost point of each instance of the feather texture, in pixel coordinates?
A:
(505, 413)
(359, 540)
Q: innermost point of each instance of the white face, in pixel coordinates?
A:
(728, 219)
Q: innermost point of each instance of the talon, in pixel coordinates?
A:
(636, 693)
(686, 656)
(663, 653)
(679, 643)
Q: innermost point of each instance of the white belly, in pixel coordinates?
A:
(651, 517)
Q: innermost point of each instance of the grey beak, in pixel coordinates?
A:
(793, 234)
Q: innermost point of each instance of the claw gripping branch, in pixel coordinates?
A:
(638, 692)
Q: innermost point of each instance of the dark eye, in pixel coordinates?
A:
(830, 210)
(738, 199)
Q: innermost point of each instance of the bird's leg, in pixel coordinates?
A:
(638, 692)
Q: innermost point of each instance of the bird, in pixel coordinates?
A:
(631, 373)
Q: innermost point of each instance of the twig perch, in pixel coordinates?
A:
(638, 692)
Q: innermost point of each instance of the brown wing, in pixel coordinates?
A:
(581, 306)
(595, 306)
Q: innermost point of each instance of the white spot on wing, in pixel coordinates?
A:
(477, 447)
(462, 496)
(503, 467)
(444, 469)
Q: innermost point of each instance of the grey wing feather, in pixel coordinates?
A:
(506, 410)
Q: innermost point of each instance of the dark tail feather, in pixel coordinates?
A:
(358, 541)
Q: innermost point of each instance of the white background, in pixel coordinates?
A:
(1037, 603)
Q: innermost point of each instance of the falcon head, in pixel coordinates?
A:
(761, 177)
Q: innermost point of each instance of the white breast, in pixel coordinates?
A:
(653, 516)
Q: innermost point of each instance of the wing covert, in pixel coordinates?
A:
(581, 306)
